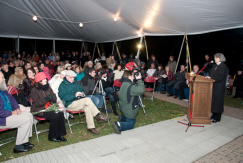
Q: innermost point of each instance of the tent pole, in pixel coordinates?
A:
(93, 52)
(180, 52)
(54, 47)
(81, 53)
(113, 47)
(18, 45)
(141, 40)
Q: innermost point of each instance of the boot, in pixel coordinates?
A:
(113, 105)
(100, 118)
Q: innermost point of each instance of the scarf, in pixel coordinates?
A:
(6, 103)
(104, 78)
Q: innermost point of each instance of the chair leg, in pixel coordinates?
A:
(69, 125)
(36, 132)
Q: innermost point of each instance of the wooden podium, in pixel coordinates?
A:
(202, 99)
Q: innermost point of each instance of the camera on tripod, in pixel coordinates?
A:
(138, 69)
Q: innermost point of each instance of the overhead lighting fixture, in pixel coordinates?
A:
(81, 25)
(139, 46)
(34, 18)
(139, 34)
(115, 19)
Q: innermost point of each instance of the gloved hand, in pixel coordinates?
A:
(49, 97)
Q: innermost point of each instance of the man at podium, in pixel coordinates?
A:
(219, 74)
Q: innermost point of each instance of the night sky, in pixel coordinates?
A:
(228, 42)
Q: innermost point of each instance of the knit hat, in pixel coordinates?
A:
(45, 69)
(70, 73)
(66, 65)
(40, 76)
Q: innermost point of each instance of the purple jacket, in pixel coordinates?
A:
(4, 113)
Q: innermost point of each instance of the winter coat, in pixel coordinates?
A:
(156, 64)
(125, 60)
(109, 61)
(68, 90)
(15, 80)
(158, 74)
(79, 76)
(172, 65)
(129, 97)
(38, 97)
(118, 74)
(170, 75)
(88, 84)
(179, 78)
(6, 75)
(27, 85)
(5, 113)
(218, 74)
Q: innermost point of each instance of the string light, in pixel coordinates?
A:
(115, 19)
(34, 18)
(139, 46)
(81, 25)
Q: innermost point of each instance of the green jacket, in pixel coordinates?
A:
(129, 97)
(68, 90)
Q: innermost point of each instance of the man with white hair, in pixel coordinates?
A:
(12, 117)
(72, 93)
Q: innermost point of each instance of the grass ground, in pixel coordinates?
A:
(156, 111)
(233, 102)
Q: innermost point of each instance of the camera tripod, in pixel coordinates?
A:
(103, 94)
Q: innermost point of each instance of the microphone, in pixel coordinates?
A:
(209, 63)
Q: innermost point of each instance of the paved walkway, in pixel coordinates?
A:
(165, 141)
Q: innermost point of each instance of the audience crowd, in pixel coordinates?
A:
(45, 79)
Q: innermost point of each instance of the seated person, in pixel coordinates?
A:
(88, 85)
(72, 93)
(128, 101)
(107, 86)
(158, 76)
(17, 78)
(166, 77)
(196, 70)
(6, 72)
(42, 96)
(79, 72)
(111, 67)
(118, 72)
(46, 72)
(12, 117)
(90, 65)
(55, 82)
(150, 73)
(179, 84)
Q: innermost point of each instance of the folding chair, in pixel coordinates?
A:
(150, 79)
(12, 90)
(72, 112)
(41, 131)
(9, 140)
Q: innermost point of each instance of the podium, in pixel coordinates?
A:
(202, 99)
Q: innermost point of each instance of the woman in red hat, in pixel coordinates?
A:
(42, 96)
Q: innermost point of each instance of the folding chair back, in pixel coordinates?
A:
(12, 90)
(150, 79)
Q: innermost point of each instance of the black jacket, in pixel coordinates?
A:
(88, 84)
(218, 74)
(6, 75)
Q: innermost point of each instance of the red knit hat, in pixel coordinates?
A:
(40, 76)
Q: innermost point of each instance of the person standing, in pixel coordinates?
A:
(238, 83)
(154, 61)
(172, 64)
(219, 74)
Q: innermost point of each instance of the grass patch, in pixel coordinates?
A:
(156, 111)
(233, 102)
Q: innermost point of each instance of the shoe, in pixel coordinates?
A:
(101, 118)
(54, 139)
(169, 95)
(93, 131)
(116, 127)
(61, 138)
(214, 121)
(28, 144)
(71, 116)
(175, 96)
(25, 149)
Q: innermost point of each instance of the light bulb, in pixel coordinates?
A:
(139, 34)
(115, 19)
(81, 25)
(34, 18)
(139, 46)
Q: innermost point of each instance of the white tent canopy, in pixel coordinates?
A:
(59, 19)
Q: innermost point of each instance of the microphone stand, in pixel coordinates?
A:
(192, 81)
